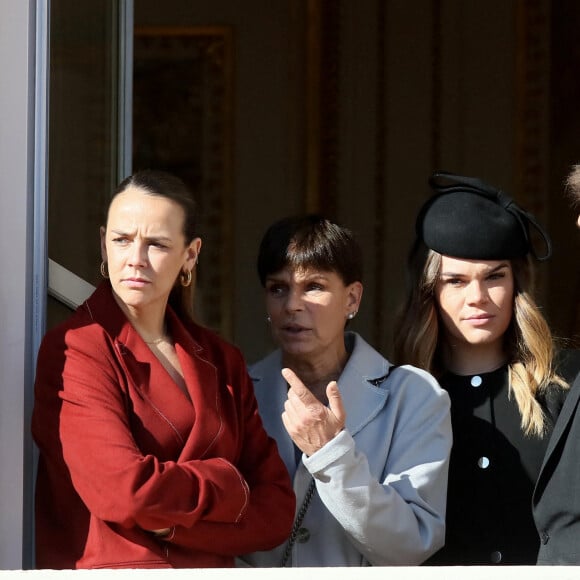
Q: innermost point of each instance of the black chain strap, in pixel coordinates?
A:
(298, 522)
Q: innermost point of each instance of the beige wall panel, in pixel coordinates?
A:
(358, 141)
(409, 131)
(477, 86)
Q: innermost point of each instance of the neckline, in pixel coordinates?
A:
(449, 376)
(497, 370)
(157, 340)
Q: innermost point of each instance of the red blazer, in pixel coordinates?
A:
(123, 450)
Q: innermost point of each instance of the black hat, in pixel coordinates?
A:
(467, 218)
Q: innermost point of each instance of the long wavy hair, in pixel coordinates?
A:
(528, 342)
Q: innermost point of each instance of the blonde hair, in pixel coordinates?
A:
(528, 342)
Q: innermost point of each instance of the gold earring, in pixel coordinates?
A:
(104, 272)
(185, 278)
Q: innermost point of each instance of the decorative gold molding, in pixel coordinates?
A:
(532, 104)
(322, 104)
(436, 83)
(183, 123)
(532, 131)
(380, 189)
(313, 102)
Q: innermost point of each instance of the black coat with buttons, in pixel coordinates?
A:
(492, 473)
(556, 502)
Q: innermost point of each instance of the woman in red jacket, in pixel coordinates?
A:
(152, 453)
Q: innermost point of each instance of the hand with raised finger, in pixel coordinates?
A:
(309, 423)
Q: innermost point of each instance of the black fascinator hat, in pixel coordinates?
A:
(470, 219)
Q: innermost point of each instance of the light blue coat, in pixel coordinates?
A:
(381, 483)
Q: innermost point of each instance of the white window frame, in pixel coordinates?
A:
(20, 294)
(24, 62)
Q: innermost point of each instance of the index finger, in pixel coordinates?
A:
(299, 388)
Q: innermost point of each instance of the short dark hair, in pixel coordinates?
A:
(310, 241)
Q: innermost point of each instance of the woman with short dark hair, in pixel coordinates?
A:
(366, 444)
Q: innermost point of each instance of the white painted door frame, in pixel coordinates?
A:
(24, 63)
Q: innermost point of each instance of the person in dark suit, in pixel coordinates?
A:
(471, 320)
(556, 500)
(152, 452)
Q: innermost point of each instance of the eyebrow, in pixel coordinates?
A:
(148, 238)
(491, 271)
(317, 276)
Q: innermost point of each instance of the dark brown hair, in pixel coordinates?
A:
(310, 241)
(163, 184)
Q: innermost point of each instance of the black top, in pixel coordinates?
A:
(492, 473)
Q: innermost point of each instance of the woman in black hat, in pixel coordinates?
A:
(470, 320)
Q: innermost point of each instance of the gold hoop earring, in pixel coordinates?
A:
(185, 278)
(104, 272)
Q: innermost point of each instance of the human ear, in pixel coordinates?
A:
(192, 253)
(354, 296)
(102, 233)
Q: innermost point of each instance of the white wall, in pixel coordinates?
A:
(16, 170)
(369, 573)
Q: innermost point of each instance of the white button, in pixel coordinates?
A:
(483, 462)
(476, 381)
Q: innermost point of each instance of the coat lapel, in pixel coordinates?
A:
(154, 386)
(360, 385)
(132, 352)
(201, 378)
(566, 415)
(196, 433)
(271, 392)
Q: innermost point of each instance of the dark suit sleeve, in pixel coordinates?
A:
(567, 364)
(556, 500)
